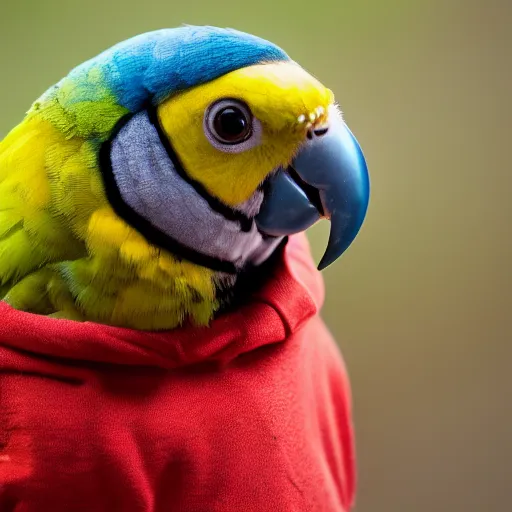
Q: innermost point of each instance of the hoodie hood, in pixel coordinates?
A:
(293, 293)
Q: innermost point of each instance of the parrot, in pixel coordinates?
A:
(153, 182)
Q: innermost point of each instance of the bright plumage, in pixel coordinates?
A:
(139, 188)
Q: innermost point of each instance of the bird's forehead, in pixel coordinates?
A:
(278, 87)
(284, 75)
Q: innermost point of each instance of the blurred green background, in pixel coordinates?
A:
(422, 303)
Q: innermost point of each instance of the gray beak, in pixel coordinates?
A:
(327, 179)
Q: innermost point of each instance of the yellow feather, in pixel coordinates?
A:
(67, 254)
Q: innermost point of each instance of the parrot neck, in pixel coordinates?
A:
(148, 188)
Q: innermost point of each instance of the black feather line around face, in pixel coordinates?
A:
(216, 205)
(150, 232)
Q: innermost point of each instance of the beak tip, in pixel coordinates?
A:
(322, 266)
(332, 253)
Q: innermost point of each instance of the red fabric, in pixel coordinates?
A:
(250, 414)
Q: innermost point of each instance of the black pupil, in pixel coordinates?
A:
(231, 125)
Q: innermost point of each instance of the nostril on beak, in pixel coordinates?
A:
(321, 131)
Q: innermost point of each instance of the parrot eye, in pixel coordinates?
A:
(230, 126)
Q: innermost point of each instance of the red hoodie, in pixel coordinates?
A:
(249, 414)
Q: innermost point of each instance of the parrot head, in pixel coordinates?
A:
(257, 153)
(209, 144)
